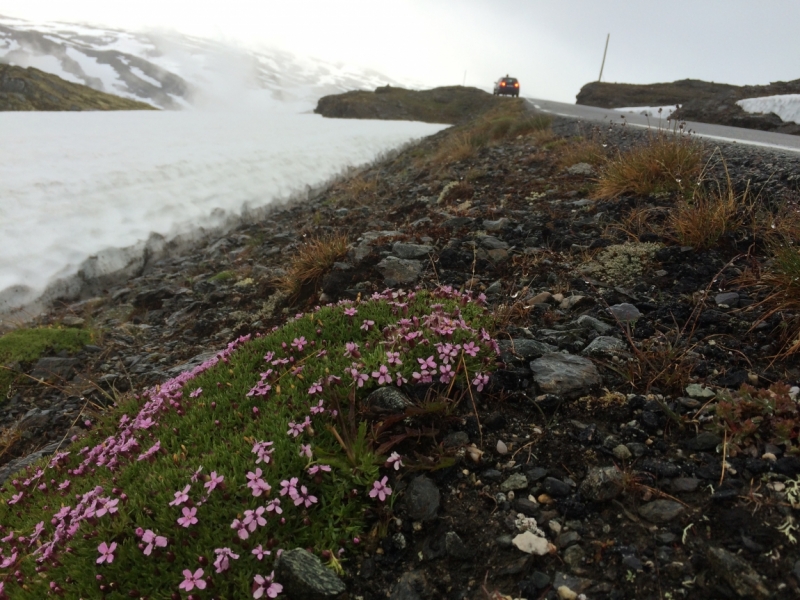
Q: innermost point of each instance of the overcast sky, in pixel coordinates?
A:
(552, 46)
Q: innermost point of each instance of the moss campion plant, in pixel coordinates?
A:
(193, 489)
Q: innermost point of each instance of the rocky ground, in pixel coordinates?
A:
(581, 470)
(701, 101)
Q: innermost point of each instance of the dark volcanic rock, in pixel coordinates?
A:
(304, 576)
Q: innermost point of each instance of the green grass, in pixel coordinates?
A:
(223, 276)
(216, 429)
(28, 345)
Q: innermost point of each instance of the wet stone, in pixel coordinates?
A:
(399, 271)
(536, 474)
(304, 576)
(684, 485)
(729, 299)
(565, 374)
(54, 369)
(422, 499)
(695, 390)
(625, 312)
(516, 481)
(703, 442)
(457, 438)
(602, 484)
(660, 511)
(621, 452)
(556, 488)
(491, 476)
(587, 322)
(387, 400)
(526, 507)
(411, 251)
(523, 349)
(567, 539)
(604, 346)
(455, 546)
(737, 573)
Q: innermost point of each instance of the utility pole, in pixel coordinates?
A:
(603, 64)
(463, 83)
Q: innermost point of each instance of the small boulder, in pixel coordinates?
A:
(304, 576)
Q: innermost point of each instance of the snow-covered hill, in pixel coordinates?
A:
(171, 70)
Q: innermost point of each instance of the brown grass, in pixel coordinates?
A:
(313, 260)
(581, 150)
(357, 191)
(668, 162)
(705, 219)
(639, 221)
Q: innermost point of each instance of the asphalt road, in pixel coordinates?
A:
(752, 137)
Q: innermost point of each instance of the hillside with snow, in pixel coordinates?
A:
(171, 70)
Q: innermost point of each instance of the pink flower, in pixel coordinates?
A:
(446, 373)
(108, 507)
(380, 489)
(181, 496)
(241, 530)
(295, 429)
(471, 349)
(260, 552)
(151, 539)
(299, 343)
(303, 497)
(223, 555)
(318, 409)
(15, 498)
(196, 393)
(400, 379)
(149, 453)
(188, 517)
(253, 518)
(382, 375)
(351, 350)
(394, 460)
(263, 450)
(367, 325)
(215, 480)
(192, 580)
(305, 449)
(256, 483)
(480, 381)
(315, 388)
(313, 470)
(427, 363)
(350, 312)
(275, 505)
(106, 553)
(359, 378)
(393, 358)
(262, 585)
(289, 487)
(196, 474)
(63, 486)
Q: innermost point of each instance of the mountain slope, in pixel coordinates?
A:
(172, 70)
(32, 89)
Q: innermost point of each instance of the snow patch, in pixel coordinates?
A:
(786, 106)
(650, 111)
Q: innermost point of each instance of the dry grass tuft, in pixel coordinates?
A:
(357, 191)
(313, 260)
(781, 282)
(459, 146)
(705, 219)
(639, 221)
(582, 150)
(669, 162)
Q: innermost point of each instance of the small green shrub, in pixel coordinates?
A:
(201, 482)
(223, 276)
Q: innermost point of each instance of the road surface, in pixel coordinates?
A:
(752, 137)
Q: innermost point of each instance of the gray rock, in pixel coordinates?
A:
(304, 576)
(457, 438)
(517, 481)
(730, 299)
(497, 225)
(564, 374)
(602, 484)
(695, 390)
(403, 250)
(196, 361)
(584, 169)
(523, 349)
(387, 399)
(13, 466)
(625, 313)
(526, 507)
(457, 222)
(737, 573)
(54, 369)
(621, 452)
(495, 289)
(566, 539)
(73, 321)
(587, 322)
(492, 243)
(399, 271)
(422, 499)
(705, 441)
(574, 556)
(455, 546)
(409, 587)
(660, 511)
(604, 345)
(556, 488)
(575, 301)
(684, 484)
